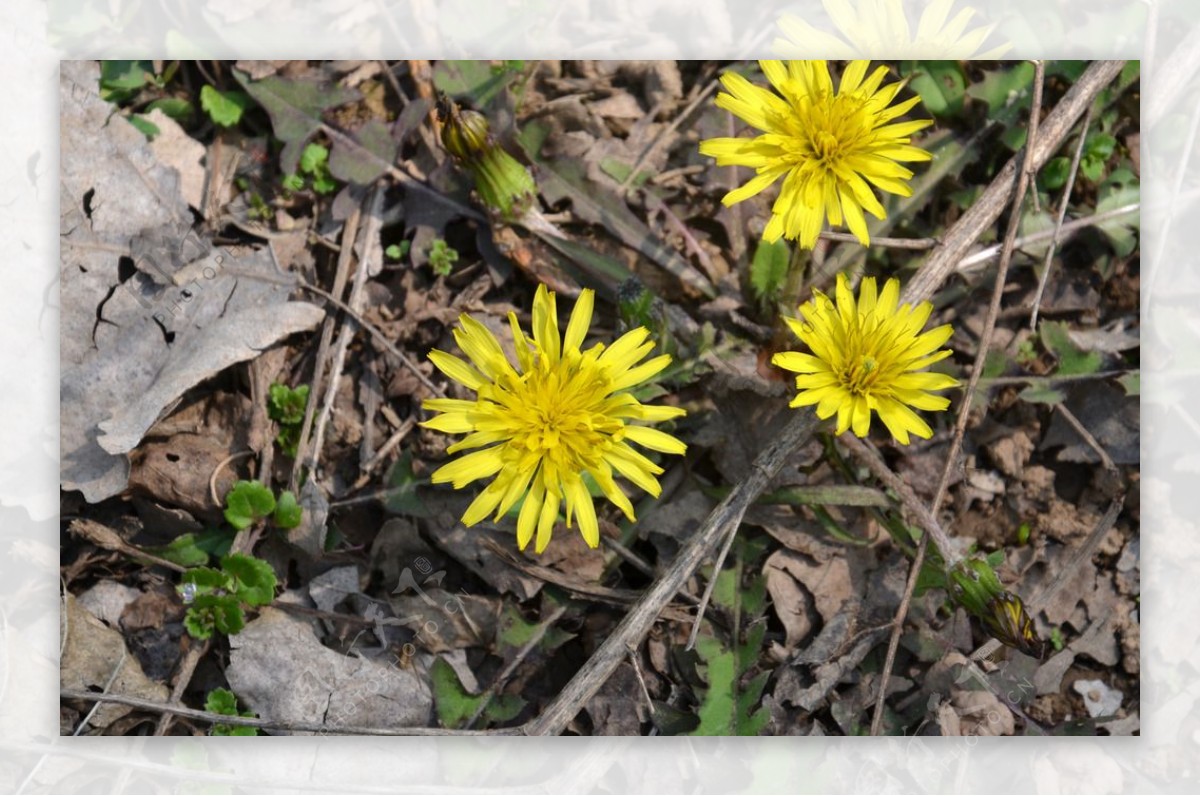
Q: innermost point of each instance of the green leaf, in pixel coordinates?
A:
(178, 109)
(442, 258)
(402, 496)
(1101, 146)
(1072, 360)
(397, 251)
(515, 631)
(1054, 174)
(286, 405)
(253, 579)
(940, 85)
(198, 622)
(365, 155)
(455, 706)
(144, 126)
(226, 612)
(475, 80)
(287, 511)
(122, 80)
(1006, 91)
(566, 178)
(224, 107)
(221, 700)
(1042, 394)
(1131, 382)
(206, 579)
(248, 502)
(1121, 231)
(769, 269)
(313, 158)
(182, 550)
(727, 706)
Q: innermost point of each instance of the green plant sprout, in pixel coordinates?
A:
(285, 405)
(250, 501)
(442, 258)
(397, 251)
(216, 598)
(314, 164)
(224, 701)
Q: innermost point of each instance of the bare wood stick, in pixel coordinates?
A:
(266, 724)
(911, 244)
(349, 230)
(368, 238)
(1068, 229)
(1048, 263)
(992, 201)
(866, 453)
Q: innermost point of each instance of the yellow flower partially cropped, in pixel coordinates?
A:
(829, 148)
(869, 356)
(559, 413)
(883, 29)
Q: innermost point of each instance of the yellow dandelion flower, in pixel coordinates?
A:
(882, 29)
(830, 148)
(868, 357)
(559, 413)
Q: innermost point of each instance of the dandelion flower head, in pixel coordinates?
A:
(882, 29)
(832, 149)
(559, 413)
(869, 356)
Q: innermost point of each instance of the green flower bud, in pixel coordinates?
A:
(502, 182)
(974, 586)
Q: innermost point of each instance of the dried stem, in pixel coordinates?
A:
(266, 724)
(1048, 263)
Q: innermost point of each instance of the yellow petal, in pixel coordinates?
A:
(581, 318)
(654, 439)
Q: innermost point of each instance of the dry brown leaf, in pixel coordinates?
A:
(94, 656)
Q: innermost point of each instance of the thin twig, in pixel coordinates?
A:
(1048, 263)
(730, 535)
(266, 724)
(221, 465)
(637, 670)
(341, 276)
(186, 669)
(380, 338)
(1058, 378)
(664, 133)
(1068, 229)
(911, 244)
(538, 634)
(866, 453)
(1069, 416)
(368, 238)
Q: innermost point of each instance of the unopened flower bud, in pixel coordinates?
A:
(502, 182)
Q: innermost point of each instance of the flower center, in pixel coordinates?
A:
(860, 373)
(559, 412)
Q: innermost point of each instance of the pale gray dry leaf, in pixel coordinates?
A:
(148, 308)
(805, 591)
(94, 656)
(1112, 417)
(1098, 698)
(617, 707)
(332, 587)
(280, 669)
(228, 340)
(975, 714)
(107, 599)
(175, 148)
(444, 621)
